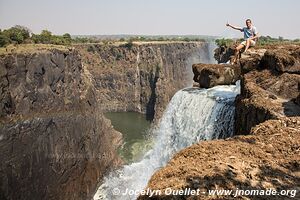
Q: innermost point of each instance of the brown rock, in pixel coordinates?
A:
(210, 75)
(269, 88)
(250, 63)
(209, 165)
(281, 61)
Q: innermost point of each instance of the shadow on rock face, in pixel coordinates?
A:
(291, 109)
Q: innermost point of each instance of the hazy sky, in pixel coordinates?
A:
(153, 17)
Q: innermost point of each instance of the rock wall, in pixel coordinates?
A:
(54, 141)
(269, 87)
(141, 77)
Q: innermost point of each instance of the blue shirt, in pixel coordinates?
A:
(249, 32)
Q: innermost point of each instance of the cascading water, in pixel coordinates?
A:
(192, 115)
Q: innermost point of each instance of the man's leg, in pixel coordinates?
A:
(237, 50)
(247, 44)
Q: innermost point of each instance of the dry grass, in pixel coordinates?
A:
(30, 48)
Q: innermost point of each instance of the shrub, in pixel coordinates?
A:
(4, 40)
(224, 42)
(17, 34)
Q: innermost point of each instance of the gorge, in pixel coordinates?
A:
(57, 144)
(55, 141)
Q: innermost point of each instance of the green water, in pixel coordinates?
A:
(134, 128)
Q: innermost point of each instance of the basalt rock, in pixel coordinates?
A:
(223, 54)
(210, 75)
(141, 77)
(268, 91)
(281, 60)
(54, 141)
(251, 60)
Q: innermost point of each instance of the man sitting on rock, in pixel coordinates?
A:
(250, 36)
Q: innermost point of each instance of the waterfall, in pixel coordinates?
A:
(192, 115)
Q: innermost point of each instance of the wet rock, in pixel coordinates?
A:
(224, 54)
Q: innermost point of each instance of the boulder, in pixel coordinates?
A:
(210, 75)
(281, 60)
(269, 88)
(223, 54)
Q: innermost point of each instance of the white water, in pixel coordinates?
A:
(192, 115)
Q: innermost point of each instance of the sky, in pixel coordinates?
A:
(153, 17)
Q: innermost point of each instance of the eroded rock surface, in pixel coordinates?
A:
(268, 158)
(210, 75)
(269, 87)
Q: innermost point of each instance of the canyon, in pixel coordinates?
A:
(142, 77)
(55, 141)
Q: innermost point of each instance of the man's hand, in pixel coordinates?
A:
(234, 27)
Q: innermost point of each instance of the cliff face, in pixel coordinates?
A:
(268, 109)
(269, 87)
(142, 77)
(54, 141)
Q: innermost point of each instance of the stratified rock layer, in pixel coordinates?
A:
(55, 142)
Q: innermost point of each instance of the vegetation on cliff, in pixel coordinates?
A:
(23, 35)
(262, 41)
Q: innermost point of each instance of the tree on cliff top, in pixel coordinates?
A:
(45, 36)
(4, 40)
(224, 42)
(17, 34)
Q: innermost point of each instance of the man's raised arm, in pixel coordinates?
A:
(234, 27)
